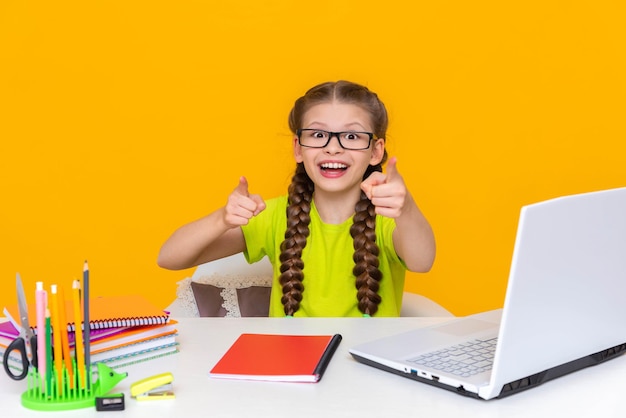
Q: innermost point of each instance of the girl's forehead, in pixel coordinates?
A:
(337, 114)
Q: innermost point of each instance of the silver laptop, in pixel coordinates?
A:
(564, 309)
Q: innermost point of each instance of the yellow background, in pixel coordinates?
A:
(122, 120)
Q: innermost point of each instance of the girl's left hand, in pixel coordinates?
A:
(387, 191)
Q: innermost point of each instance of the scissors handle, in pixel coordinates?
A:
(33, 350)
(18, 345)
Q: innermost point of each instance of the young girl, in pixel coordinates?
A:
(342, 239)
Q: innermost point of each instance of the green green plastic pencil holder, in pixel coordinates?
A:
(49, 393)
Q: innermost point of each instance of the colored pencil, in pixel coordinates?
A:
(87, 325)
(56, 337)
(65, 345)
(78, 349)
(49, 370)
(40, 308)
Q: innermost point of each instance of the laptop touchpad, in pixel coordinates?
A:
(466, 327)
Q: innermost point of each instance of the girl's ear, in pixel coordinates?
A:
(297, 150)
(378, 151)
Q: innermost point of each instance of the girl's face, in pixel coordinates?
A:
(334, 168)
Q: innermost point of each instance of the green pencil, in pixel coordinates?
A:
(49, 369)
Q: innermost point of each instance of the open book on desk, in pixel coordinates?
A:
(281, 358)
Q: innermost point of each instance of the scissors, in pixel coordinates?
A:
(26, 343)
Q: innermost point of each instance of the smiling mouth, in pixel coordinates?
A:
(333, 166)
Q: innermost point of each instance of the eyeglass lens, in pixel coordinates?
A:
(317, 138)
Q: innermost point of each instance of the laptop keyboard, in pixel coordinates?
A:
(465, 359)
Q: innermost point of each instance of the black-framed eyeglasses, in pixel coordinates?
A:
(319, 138)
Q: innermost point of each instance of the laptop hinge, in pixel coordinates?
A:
(558, 371)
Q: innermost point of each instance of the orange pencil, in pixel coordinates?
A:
(65, 344)
(56, 337)
(79, 354)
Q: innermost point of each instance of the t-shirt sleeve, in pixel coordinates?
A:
(386, 236)
(262, 231)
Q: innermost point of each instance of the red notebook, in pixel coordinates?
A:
(281, 358)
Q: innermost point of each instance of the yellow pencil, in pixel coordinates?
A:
(79, 354)
(65, 344)
(56, 337)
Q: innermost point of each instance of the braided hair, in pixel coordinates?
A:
(300, 196)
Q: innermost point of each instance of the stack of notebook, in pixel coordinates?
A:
(123, 330)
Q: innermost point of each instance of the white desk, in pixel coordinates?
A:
(348, 388)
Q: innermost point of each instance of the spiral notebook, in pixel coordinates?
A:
(105, 312)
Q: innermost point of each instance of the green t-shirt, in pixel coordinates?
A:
(329, 285)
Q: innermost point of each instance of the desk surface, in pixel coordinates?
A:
(348, 389)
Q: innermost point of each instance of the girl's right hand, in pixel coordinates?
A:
(242, 206)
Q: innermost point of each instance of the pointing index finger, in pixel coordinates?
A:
(392, 171)
(242, 187)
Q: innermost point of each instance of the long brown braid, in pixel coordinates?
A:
(298, 220)
(300, 197)
(363, 232)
